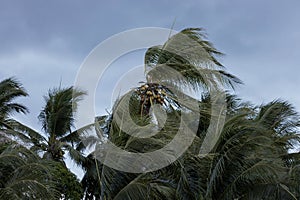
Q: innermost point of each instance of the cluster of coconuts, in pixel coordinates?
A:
(151, 93)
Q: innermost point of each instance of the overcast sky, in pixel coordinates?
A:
(43, 43)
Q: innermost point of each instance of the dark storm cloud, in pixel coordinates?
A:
(81, 25)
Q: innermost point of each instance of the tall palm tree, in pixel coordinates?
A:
(186, 54)
(57, 119)
(250, 160)
(23, 173)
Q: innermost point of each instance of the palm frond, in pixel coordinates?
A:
(189, 55)
(26, 134)
(57, 115)
(10, 89)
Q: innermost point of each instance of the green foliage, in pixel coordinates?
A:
(10, 89)
(24, 175)
(66, 183)
(57, 118)
(57, 115)
(251, 159)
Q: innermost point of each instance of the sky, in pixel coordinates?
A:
(44, 43)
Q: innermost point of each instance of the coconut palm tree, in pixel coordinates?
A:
(23, 173)
(57, 119)
(250, 160)
(185, 61)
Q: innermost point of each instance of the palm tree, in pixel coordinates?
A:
(186, 54)
(10, 89)
(23, 173)
(250, 160)
(57, 119)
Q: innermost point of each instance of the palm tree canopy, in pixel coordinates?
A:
(189, 54)
(57, 119)
(250, 160)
